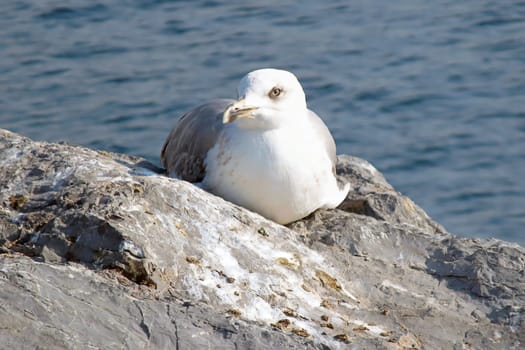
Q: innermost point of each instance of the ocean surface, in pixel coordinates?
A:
(430, 92)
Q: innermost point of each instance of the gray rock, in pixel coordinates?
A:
(101, 250)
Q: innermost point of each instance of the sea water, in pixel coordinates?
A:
(430, 92)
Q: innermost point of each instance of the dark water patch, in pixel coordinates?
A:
(352, 52)
(42, 120)
(121, 119)
(112, 147)
(467, 196)
(244, 12)
(50, 72)
(405, 60)
(348, 108)
(455, 78)
(132, 79)
(31, 61)
(520, 216)
(211, 4)
(58, 13)
(476, 165)
(48, 86)
(22, 36)
(450, 41)
(433, 149)
(300, 21)
(72, 15)
(462, 135)
(123, 80)
(132, 128)
(499, 21)
(19, 6)
(491, 198)
(328, 88)
(6, 70)
(372, 94)
(152, 4)
(138, 105)
(85, 51)
(466, 151)
(176, 27)
(505, 45)
(458, 212)
(500, 115)
(415, 164)
(409, 101)
(176, 109)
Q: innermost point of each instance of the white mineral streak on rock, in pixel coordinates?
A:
(401, 289)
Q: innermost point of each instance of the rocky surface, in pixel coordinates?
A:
(102, 251)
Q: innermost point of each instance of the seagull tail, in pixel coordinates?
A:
(338, 197)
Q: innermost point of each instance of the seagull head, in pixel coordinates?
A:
(267, 99)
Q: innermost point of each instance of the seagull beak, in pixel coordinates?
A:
(236, 110)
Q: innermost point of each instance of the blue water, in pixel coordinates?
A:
(431, 92)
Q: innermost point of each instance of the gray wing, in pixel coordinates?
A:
(325, 135)
(185, 149)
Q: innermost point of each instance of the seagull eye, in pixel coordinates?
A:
(275, 92)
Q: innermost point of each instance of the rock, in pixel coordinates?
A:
(102, 250)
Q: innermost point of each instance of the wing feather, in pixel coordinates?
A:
(325, 135)
(187, 145)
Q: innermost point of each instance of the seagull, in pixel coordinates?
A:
(266, 151)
